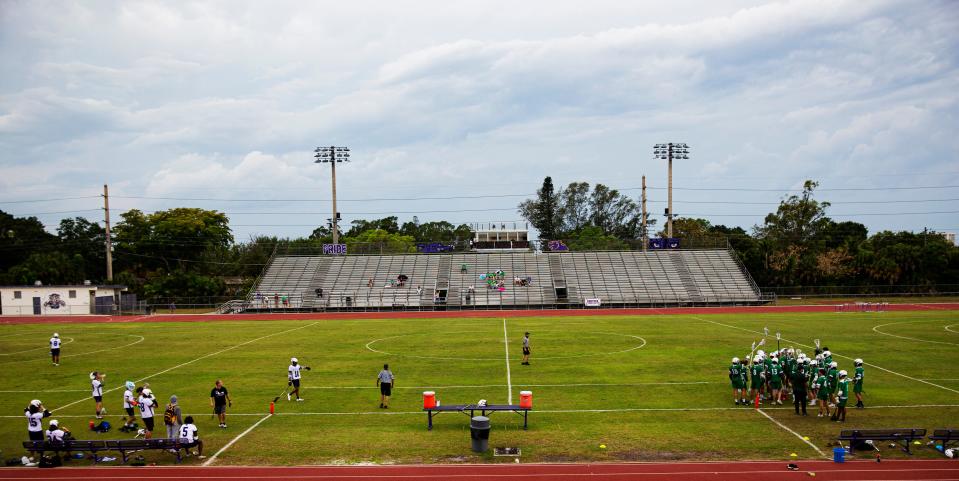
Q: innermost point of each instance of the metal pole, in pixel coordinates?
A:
(336, 233)
(645, 234)
(106, 222)
(669, 218)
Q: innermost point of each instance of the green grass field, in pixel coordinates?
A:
(648, 387)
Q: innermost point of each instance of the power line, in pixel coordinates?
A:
(47, 200)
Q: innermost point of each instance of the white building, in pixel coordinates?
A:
(950, 236)
(59, 300)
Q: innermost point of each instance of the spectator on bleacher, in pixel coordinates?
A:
(370, 283)
(419, 290)
(276, 300)
(464, 268)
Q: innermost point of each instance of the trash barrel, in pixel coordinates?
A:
(479, 433)
(839, 455)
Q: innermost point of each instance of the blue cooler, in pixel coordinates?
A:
(839, 455)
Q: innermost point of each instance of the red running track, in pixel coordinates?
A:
(493, 314)
(738, 471)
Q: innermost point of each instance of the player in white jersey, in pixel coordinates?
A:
(55, 349)
(293, 378)
(35, 414)
(129, 402)
(55, 433)
(190, 437)
(147, 404)
(96, 382)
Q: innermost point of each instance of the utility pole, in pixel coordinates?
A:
(106, 223)
(669, 152)
(645, 235)
(333, 155)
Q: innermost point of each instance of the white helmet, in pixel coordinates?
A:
(842, 373)
(54, 422)
(760, 352)
(147, 392)
(791, 350)
(35, 403)
(757, 359)
(735, 360)
(775, 360)
(56, 335)
(819, 357)
(826, 353)
(814, 363)
(834, 364)
(858, 362)
(293, 360)
(130, 385)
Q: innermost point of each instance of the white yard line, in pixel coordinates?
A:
(543, 411)
(474, 386)
(191, 362)
(509, 382)
(234, 440)
(834, 354)
(794, 433)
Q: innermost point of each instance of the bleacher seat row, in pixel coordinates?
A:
(616, 278)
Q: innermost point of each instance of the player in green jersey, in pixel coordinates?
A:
(775, 380)
(756, 377)
(738, 382)
(822, 393)
(832, 377)
(843, 397)
(857, 383)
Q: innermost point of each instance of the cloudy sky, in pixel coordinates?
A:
(220, 104)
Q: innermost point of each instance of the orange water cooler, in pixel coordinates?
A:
(526, 399)
(429, 399)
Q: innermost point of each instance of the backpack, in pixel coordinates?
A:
(103, 427)
(169, 416)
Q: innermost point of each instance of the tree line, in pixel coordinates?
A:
(190, 252)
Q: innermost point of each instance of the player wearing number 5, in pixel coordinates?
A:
(55, 349)
(35, 413)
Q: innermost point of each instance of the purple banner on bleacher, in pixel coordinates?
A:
(434, 247)
(657, 243)
(334, 249)
(556, 245)
(672, 243)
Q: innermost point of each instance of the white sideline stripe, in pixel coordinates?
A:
(191, 362)
(509, 382)
(611, 410)
(794, 433)
(234, 440)
(463, 386)
(834, 354)
(876, 330)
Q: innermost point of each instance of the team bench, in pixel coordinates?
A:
(124, 446)
(946, 435)
(905, 435)
(472, 408)
(71, 446)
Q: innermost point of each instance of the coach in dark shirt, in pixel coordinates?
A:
(219, 398)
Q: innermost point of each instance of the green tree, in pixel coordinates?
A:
(592, 238)
(378, 241)
(22, 236)
(388, 224)
(543, 213)
(81, 237)
(49, 268)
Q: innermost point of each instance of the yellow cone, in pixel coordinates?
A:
(812, 473)
(805, 438)
(602, 446)
(793, 455)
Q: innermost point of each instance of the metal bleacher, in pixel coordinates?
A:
(624, 278)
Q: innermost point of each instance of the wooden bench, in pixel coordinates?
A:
(71, 446)
(945, 435)
(472, 408)
(126, 446)
(903, 435)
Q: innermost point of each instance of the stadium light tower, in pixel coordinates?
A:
(333, 155)
(669, 152)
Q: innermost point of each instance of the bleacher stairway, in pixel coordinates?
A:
(627, 278)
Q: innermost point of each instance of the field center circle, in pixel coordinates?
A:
(642, 343)
(876, 330)
(950, 330)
